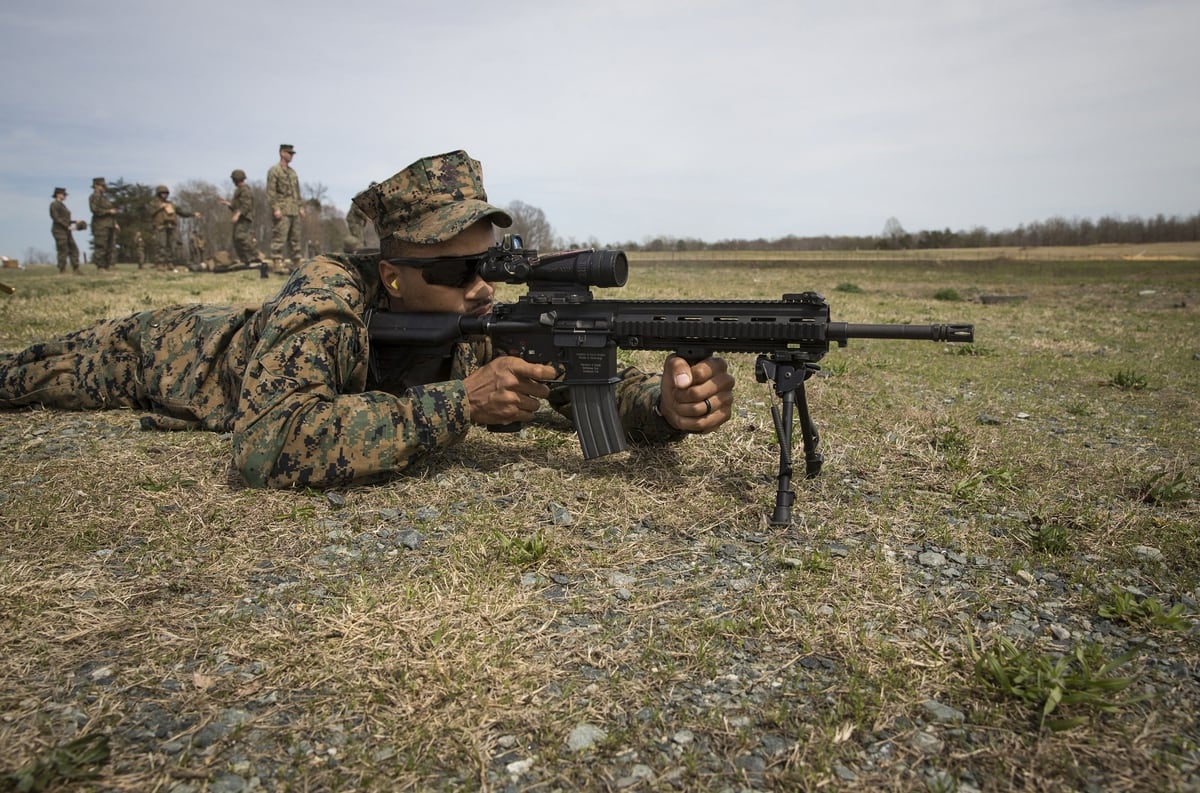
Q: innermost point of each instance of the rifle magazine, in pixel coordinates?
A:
(597, 420)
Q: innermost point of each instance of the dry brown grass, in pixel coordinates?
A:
(220, 635)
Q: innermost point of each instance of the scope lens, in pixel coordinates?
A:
(586, 268)
(611, 268)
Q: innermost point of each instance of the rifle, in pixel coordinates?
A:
(558, 321)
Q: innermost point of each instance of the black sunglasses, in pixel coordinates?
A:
(455, 271)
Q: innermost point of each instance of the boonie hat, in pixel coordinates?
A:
(431, 200)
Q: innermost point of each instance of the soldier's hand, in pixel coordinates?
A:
(507, 389)
(696, 398)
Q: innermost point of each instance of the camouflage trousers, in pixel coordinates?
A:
(285, 237)
(96, 368)
(104, 245)
(169, 248)
(154, 361)
(244, 244)
(65, 247)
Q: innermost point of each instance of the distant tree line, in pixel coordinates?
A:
(324, 228)
(1054, 231)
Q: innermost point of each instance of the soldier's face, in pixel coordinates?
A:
(412, 293)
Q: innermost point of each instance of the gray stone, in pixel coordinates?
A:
(927, 743)
(931, 559)
(943, 713)
(584, 736)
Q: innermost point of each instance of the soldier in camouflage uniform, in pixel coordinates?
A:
(291, 381)
(104, 226)
(139, 249)
(169, 245)
(196, 246)
(242, 207)
(283, 196)
(60, 227)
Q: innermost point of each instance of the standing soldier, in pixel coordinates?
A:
(242, 207)
(139, 249)
(166, 228)
(196, 260)
(283, 195)
(60, 227)
(104, 226)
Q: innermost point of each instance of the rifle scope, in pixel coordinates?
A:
(586, 267)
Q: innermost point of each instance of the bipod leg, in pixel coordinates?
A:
(813, 458)
(784, 495)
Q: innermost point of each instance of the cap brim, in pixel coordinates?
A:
(450, 220)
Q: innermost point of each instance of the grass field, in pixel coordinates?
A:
(992, 586)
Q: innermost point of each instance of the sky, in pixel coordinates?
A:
(623, 120)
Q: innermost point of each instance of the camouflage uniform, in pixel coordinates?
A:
(242, 207)
(104, 227)
(289, 380)
(169, 247)
(139, 249)
(64, 240)
(197, 248)
(283, 194)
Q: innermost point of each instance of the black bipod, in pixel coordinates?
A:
(788, 378)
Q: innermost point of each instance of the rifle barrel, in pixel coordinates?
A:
(841, 331)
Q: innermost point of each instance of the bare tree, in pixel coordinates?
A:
(530, 222)
(37, 256)
(894, 235)
(214, 226)
(315, 192)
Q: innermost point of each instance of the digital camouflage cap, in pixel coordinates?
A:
(431, 200)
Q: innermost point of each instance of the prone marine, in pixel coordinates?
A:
(291, 380)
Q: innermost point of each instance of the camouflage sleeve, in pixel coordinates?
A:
(60, 215)
(273, 187)
(243, 203)
(303, 416)
(638, 395)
